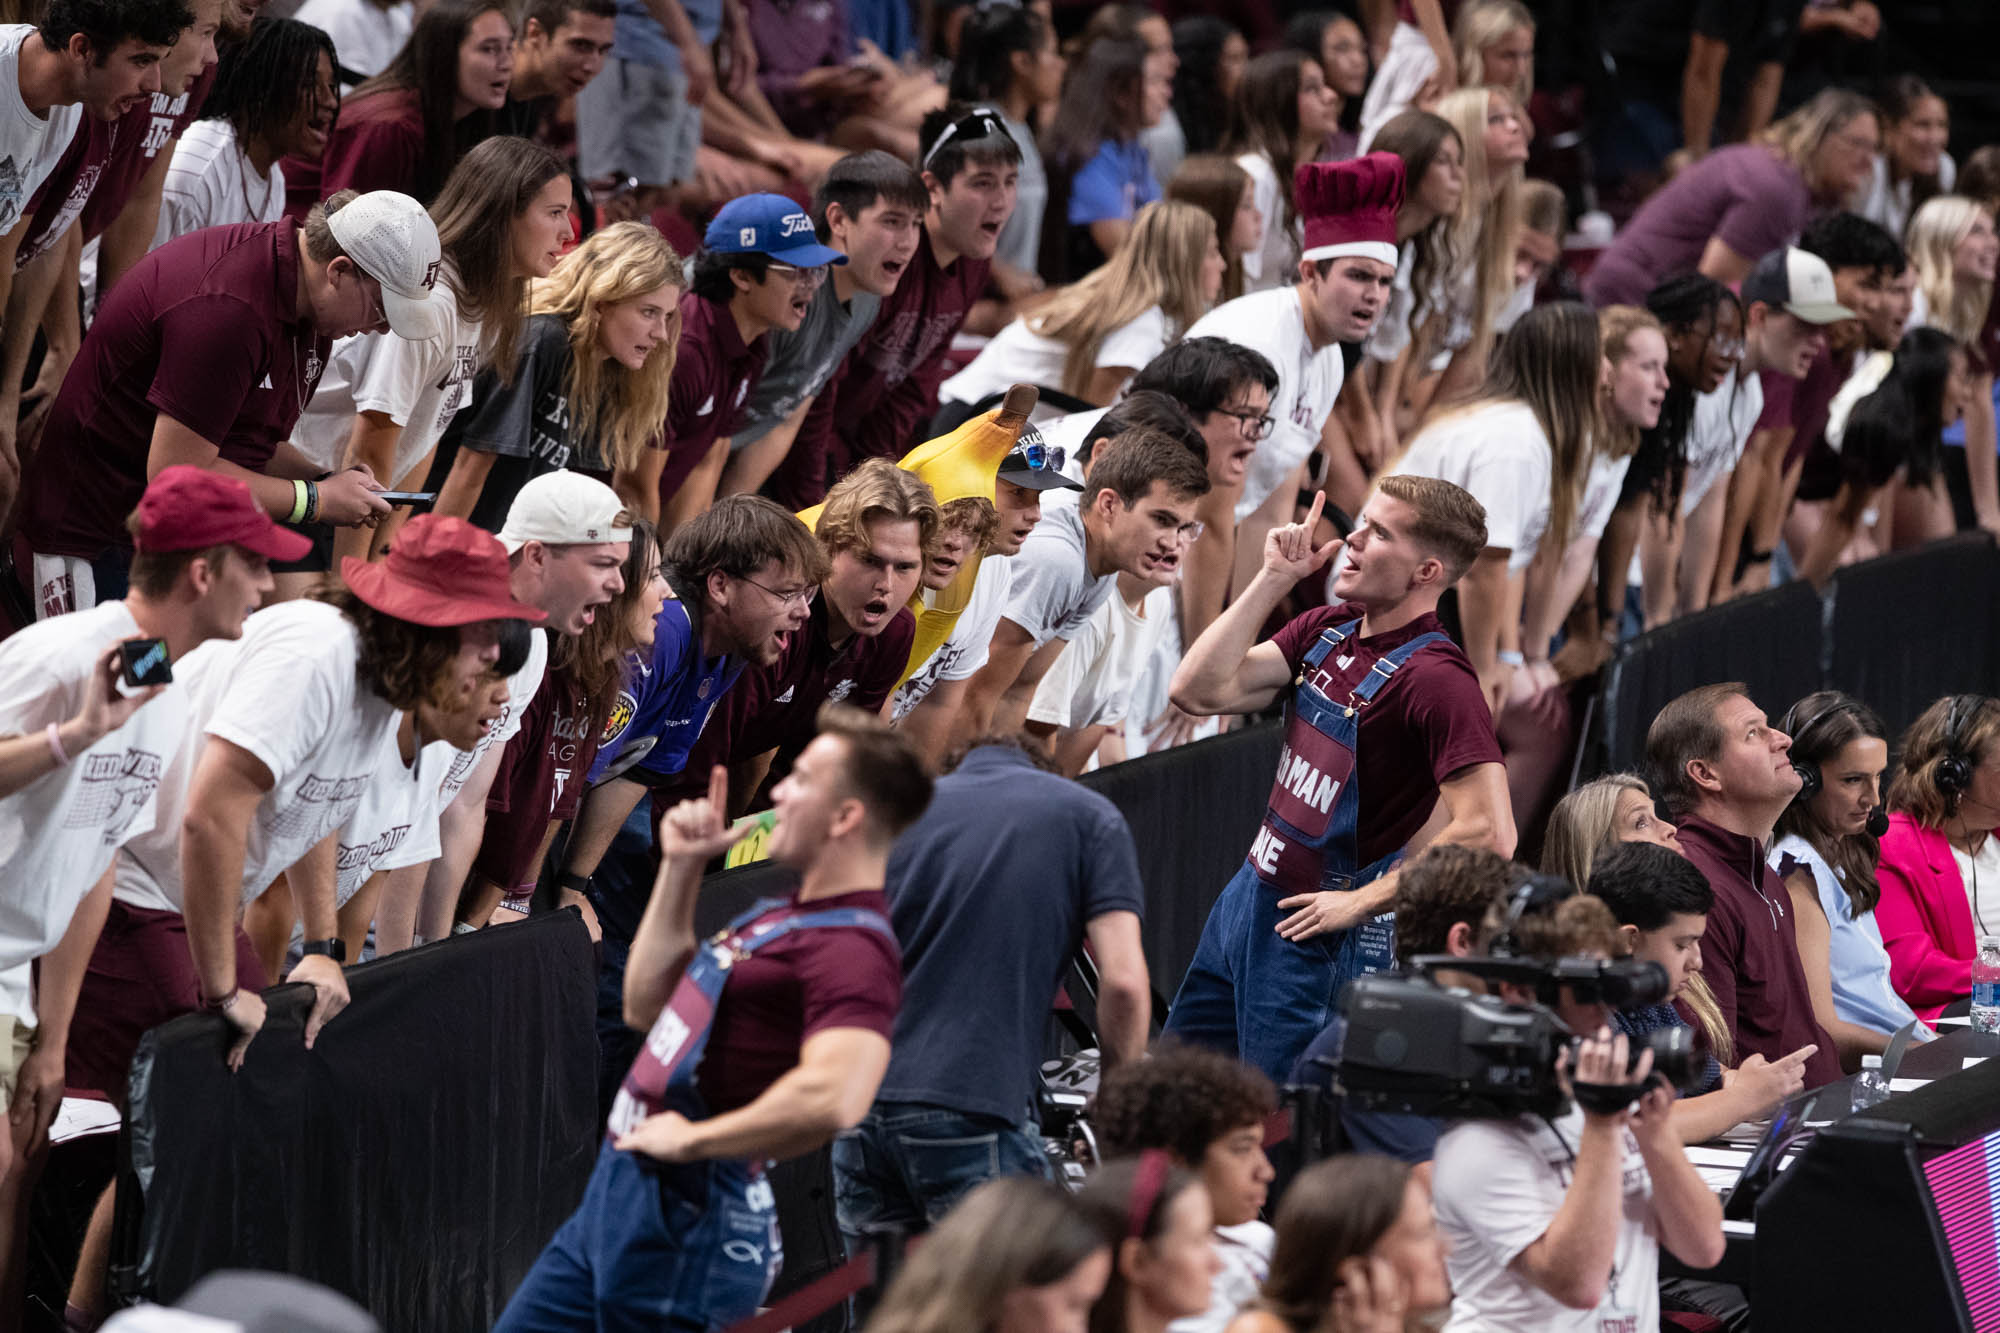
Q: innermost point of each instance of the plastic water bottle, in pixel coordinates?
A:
(1986, 985)
(1870, 1087)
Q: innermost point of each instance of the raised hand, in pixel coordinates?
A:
(1289, 551)
(700, 829)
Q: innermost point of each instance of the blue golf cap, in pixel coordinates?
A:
(768, 224)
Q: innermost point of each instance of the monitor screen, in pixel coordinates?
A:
(1965, 1190)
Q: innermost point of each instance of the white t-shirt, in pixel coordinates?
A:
(1499, 454)
(1600, 494)
(1982, 873)
(1091, 683)
(287, 693)
(396, 823)
(30, 145)
(1275, 260)
(1496, 1186)
(1051, 594)
(1720, 428)
(1887, 205)
(419, 385)
(1245, 1252)
(521, 687)
(1019, 355)
(211, 183)
(60, 832)
(964, 650)
(365, 36)
(1274, 323)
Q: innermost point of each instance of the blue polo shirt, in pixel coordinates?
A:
(671, 697)
(989, 893)
(1116, 182)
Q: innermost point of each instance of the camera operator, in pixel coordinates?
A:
(1556, 1223)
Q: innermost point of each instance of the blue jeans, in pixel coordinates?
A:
(907, 1163)
(1250, 992)
(653, 1250)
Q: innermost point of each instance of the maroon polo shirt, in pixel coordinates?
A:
(540, 779)
(1750, 954)
(205, 329)
(714, 375)
(777, 707)
(1427, 724)
(377, 144)
(877, 403)
(142, 133)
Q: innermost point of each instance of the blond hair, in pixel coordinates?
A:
(618, 409)
(1957, 306)
(1159, 264)
(877, 488)
(1489, 213)
(1480, 25)
(1799, 137)
(1616, 324)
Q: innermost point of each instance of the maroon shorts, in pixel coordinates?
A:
(140, 975)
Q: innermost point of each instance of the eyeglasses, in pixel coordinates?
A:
(803, 279)
(1190, 533)
(798, 597)
(1731, 348)
(1254, 425)
(373, 291)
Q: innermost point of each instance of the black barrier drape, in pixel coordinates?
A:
(1909, 628)
(416, 1159)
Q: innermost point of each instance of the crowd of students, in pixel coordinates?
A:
(539, 438)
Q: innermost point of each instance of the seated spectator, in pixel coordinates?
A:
(759, 266)
(1357, 1248)
(274, 97)
(1724, 775)
(1336, 41)
(591, 377)
(1558, 1223)
(1212, 55)
(1099, 171)
(383, 401)
(1942, 811)
(1953, 250)
(1223, 190)
(1016, 1256)
(1281, 116)
(1826, 852)
(1662, 904)
(366, 34)
(1090, 338)
(1913, 165)
(957, 1105)
(1742, 202)
(1493, 43)
(1159, 1224)
(407, 127)
(1124, 21)
(1206, 1112)
(558, 52)
(1008, 63)
(644, 119)
(825, 83)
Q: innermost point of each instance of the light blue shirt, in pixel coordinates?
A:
(1856, 960)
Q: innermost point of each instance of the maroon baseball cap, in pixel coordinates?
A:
(188, 508)
(439, 571)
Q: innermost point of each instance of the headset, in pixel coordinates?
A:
(1953, 773)
(1811, 781)
(1541, 892)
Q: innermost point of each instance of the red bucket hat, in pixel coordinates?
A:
(188, 509)
(440, 572)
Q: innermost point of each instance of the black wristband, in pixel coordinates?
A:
(1760, 557)
(333, 947)
(574, 882)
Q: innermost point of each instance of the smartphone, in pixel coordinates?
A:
(408, 497)
(146, 662)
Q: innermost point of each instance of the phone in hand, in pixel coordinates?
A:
(145, 663)
(407, 497)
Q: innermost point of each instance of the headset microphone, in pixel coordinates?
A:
(1878, 822)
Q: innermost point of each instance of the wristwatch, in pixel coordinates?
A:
(334, 948)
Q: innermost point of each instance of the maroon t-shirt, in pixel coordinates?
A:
(1429, 722)
(1804, 402)
(777, 707)
(792, 989)
(714, 375)
(376, 144)
(1750, 955)
(205, 329)
(60, 200)
(138, 146)
(540, 779)
(877, 402)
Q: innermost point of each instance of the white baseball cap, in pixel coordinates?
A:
(1797, 282)
(565, 509)
(393, 240)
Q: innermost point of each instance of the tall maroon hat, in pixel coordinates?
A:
(441, 572)
(188, 508)
(1350, 207)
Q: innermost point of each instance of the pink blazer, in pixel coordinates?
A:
(1924, 917)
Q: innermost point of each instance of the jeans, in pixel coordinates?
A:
(654, 1250)
(907, 1163)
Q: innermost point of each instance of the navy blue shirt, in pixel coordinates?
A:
(1653, 1017)
(669, 699)
(990, 893)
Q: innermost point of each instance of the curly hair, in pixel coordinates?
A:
(405, 663)
(875, 489)
(973, 515)
(1443, 886)
(1182, 1099)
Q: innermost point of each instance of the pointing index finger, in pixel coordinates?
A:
(1312, 515)
(718, 790)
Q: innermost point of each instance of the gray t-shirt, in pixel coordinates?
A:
(1053, 594)
(801, 362)
(1021, 237)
